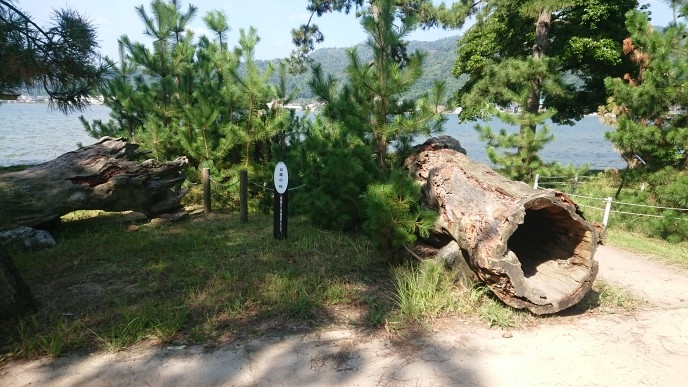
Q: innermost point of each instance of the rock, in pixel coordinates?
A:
(28, 238)
(169, 218)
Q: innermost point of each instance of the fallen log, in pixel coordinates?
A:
(103, 176)
(532, 248)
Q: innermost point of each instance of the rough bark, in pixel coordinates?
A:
(15, 296)
(103, 176)
(531, 247)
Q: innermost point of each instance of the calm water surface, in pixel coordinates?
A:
(32, 133)
(580, 144)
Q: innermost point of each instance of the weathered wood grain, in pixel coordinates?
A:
(103, 176)
(533, 248)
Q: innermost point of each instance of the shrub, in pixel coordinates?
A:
(394, 214)
(335, 168)
(670, 187)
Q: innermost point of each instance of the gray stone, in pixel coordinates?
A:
(28, 238)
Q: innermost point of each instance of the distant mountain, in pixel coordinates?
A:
(438, 65)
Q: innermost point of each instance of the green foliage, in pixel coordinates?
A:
(641, 203)
(194, 97)
(394, 214)
(508, 83)
(519, 157)
(63, 57)
(335, 167)
(670, 227)
(369, 103)
(512, 64)
(348, 148)
(670, 187)
(583, 39)
(651, 125)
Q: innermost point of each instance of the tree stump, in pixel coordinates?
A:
(103, 176)
(532, 248)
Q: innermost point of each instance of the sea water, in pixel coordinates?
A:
(32, 133)
(583, 143)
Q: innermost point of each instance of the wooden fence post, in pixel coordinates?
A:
(243, 196)
(206, 191)
(607, 210)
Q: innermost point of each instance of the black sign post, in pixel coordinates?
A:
(281, 200)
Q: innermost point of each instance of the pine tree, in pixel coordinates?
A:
(370, 102)
(366, 116)
(648, 103)
(193, 96)
(62, 57)
(512, 63)
(647, 108)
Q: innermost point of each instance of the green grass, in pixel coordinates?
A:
(111, 283)
(428, 290)
(424, 291)
(669, 253)
(106, 286)
(608, 298)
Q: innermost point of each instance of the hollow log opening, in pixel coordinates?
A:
(553, 250)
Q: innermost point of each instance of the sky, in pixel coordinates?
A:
(273, 19)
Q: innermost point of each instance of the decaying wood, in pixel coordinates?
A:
(533, 248)
(103, 176)
(15, 296)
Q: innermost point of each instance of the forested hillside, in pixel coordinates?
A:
(438, 65)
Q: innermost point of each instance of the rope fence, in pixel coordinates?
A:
(243, 182)
(609, 204)
(608, 201)
(223, 185)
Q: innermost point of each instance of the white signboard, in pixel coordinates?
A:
(281, 178)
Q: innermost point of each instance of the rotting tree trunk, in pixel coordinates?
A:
(532, 248)
(15, 296)
(102, 176)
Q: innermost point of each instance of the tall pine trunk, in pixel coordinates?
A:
(540, 47)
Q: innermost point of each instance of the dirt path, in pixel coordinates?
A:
(647, 347)
(661, 286)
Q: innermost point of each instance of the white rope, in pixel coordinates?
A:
(593, 207)
(648, 206)
(637, 214)
(264, 187)
(588, 197)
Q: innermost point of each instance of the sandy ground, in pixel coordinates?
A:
(646, 347)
